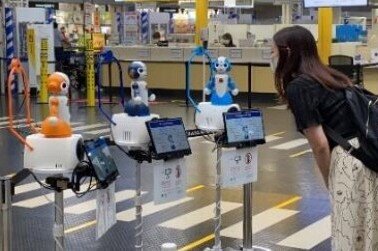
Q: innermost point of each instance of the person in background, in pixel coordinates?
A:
(58, 47)
(227, 40)
(315, 95)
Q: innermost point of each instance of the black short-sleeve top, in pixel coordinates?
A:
(313, 104)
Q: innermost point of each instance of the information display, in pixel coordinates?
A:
(239, 3)
(334, 3)
(102, 161)
(244, 127)
(168, 138)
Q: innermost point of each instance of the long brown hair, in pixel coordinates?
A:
(298, 55)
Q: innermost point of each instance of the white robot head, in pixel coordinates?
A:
(221, 65)
(137, 70)
(58, 83)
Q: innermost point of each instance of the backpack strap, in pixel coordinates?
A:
(339, 140)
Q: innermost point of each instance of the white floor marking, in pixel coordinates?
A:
(198, 216)
(90, 205)
(25, 188)
(310, 236)
(150, 208)
(41, 200)
(279, 107)
(271, 138)
(96, 132)
(260, 222)
(86, 127)
(291, 144)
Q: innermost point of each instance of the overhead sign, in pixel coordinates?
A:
(334, 3)
(239, 3)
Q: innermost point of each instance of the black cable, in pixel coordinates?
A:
(40, 183)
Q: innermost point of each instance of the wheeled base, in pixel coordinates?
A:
(210, 117)
(53, 155)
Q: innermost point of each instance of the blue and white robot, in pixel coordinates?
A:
(129, 129)
(138, 104)
(221, 88)
(221, 85)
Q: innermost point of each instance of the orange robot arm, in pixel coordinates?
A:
(54, 107)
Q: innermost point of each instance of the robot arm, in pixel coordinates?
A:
(209, 86)
(54, 107)
(232, 86)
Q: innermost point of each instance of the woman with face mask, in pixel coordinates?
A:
(314, 93)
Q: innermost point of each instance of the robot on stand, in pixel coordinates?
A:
(129, 128)
(55, 149)
(221, 88)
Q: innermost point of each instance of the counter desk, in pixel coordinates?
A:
(167, 67)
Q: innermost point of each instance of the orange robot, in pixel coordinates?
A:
(16, 68)
(57, 124)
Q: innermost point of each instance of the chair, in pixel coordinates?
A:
(345, 65)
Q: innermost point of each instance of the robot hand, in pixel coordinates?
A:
(235, 91)
(207, 91)
(152, 97)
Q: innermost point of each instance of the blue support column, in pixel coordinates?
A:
(144, 27)
(9, 33)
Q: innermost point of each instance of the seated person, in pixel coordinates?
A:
(227, 40)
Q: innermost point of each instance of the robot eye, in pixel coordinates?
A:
(225, 65)
(217, 65)
(140, 70)
(64, 86)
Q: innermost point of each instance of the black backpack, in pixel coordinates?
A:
(364, 108)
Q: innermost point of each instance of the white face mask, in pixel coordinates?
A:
(274, 63)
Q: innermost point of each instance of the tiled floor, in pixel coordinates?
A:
(290, 202)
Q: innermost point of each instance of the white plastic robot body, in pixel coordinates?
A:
(210, 117)
(221, 88)
(53, 155)
(139, 89)
(221, 84)
(64, 111)
(131, 132)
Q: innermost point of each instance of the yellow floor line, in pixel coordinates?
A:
(278, 133)
(82, 226)
(195, 244)
(300, 153)
(288, 202)
(91, 223)
(195, 188)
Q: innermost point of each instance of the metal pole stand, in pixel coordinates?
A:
(247, 217)
(138, 207)
(218, 198)
(5, 214)
(58, 231)
(139, 156)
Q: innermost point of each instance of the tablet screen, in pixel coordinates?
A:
(99, 155)
(168, 137)
(244, 127)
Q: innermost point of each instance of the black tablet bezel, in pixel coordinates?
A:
(111, 177)
(244, 143)
(167, 155)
